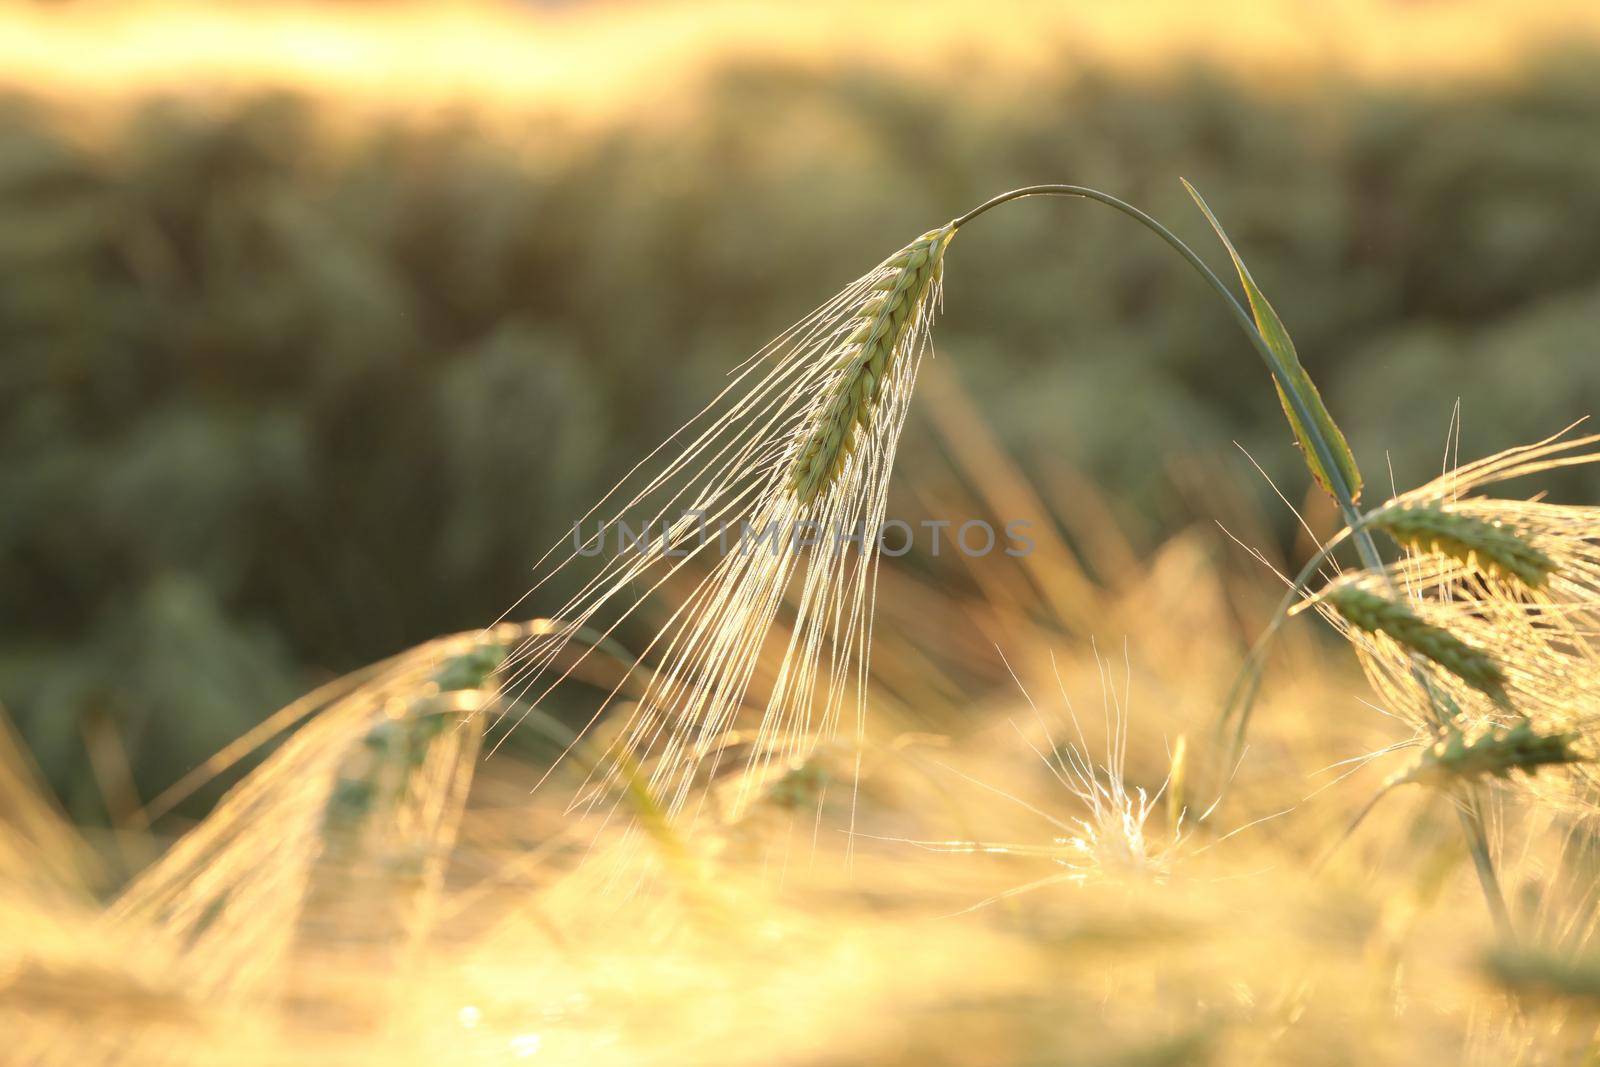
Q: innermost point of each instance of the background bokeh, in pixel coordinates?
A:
(306, 364)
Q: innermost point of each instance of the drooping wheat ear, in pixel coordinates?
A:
(236, 899)
(883, 322)
(1498, 751)
(1434, 526)
(1374, 614)
(393, 752)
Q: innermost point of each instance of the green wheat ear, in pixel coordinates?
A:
(395, 748)
(1374, 614)
(470, 670)
(882, 322)
(1495, 753)
(1491, 546)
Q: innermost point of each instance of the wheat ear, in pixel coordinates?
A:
(394, 750)
(1496, 752)
(883, 321)
(1374, 614)
(1479, 543)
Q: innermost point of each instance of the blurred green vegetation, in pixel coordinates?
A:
(281, 397)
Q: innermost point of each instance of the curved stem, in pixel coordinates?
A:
(1085, 193)
(1341, 492)
(1242, 694)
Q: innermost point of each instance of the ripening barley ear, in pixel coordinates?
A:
(1506, 592)
(1494, 753)
(1550, 548)
(400, 759)
(769, 504)
(1378, 615)
(387, 830)
(1456, 761)
(1442, 528)
(354, 813)
(1484, 635)
(869, 352)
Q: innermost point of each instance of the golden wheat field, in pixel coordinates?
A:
(829, 728)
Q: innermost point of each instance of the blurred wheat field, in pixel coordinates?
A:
(321, 322)
(611, 56)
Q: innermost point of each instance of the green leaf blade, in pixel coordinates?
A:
(1294, 376)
